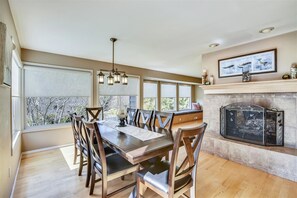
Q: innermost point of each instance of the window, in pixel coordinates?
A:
(184, 100)
(115, 97)
(150, 95)
(16, 99)
(168, 97)
(52, 92)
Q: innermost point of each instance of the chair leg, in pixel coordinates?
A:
(88, 172)
(81, 164)
(140, 188)
(104, 187)
(93, 178)
(75, 155)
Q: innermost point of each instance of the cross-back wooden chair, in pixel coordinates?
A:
(144, 117)
(166, 178)
(131, 115)
(107, 167)
(163, 120)
(76, 141)
(93, 113)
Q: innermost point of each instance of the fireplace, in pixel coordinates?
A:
(253, 124)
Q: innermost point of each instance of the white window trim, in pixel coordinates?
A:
(15, 134)
(52, 126)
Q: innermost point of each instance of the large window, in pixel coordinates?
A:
(168, 97)
(150, 95)
(184, 100)
(115, 97)
(16, 91)
(51, 93)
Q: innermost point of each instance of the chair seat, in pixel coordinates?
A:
(115, 163)
(157, 175)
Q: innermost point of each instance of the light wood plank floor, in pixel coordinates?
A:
(46, 174)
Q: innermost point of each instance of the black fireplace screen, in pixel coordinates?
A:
(252, 123)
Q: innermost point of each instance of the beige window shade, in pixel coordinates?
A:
(184, 91)
(150, 90)
(168, 90)
(52, 82)
(132, 89)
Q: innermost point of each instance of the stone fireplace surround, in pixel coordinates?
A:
(280, 161)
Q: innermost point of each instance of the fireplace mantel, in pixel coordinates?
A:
(274, 86)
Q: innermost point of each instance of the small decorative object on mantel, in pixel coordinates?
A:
(294, 71)
(211, 80)
(122, 115)
(286, 76)
(246, 76)
(204, 78)
(261, 62)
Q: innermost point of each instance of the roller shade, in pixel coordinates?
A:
(150, 90)
(168, 90)
(132, 89)
(185, 91)
(52, 82)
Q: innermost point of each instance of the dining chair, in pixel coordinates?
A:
(76, 141)
(163, 120)
(166, 178)
(84, 148)
(144, 117)
(131, 115)
(93, 113)
(107, 167)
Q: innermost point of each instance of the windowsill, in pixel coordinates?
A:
(47, 128)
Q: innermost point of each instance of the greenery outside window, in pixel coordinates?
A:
(150, 95)
(184, 100)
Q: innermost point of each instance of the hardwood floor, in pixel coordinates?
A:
(46, 174)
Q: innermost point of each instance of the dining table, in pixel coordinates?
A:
(136, 142)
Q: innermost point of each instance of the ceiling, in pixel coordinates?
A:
(161, 35)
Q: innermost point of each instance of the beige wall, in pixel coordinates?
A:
(55, 137)
(286, 45)
(8, 160)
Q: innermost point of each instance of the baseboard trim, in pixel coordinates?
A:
(16, 176)
(46, 149)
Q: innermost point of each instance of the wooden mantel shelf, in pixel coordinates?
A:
(274, 86)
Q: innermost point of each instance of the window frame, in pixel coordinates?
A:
(52, 126)
(15, 134)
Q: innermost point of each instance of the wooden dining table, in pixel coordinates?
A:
(134, 149)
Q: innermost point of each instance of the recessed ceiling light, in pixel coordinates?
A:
(266, 30)
(214, 45)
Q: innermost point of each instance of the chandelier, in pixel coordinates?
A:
(114, 76)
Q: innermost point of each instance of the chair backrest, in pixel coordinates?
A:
(132, 115)
(74, 129)
(78, 124)
(93, 113)
(96, 145)
(191, 139)
(144, 117)
(163, 120)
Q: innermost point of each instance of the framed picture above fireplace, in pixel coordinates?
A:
(257, 63)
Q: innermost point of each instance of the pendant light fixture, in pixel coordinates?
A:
(115, 76)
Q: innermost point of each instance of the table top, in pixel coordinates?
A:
(133, 149)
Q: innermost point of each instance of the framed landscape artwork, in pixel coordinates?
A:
(256, 63)
(5, 56)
